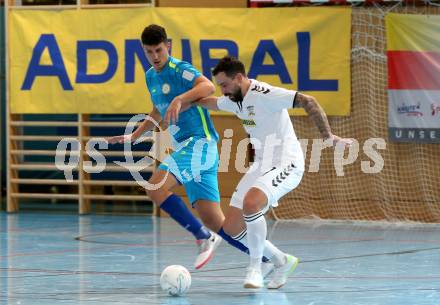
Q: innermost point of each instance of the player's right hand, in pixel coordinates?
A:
(172, 114)
(120, 139)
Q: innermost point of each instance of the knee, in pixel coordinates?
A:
(250, 205)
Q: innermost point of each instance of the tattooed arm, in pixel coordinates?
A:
(315, 112)
(318, 116)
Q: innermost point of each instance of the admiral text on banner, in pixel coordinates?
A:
(91, 61)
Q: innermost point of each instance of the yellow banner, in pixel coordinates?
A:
(91, 61)
(413, 32)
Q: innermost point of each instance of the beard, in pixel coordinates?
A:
(236, 96)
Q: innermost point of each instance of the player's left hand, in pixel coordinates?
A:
(172, 114)
(338, 140)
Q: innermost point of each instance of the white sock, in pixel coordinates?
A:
(277, 256)
(256, 237)
(271, 252)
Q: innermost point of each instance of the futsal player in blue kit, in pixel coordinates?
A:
(194, 161)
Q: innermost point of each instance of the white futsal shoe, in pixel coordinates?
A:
(282, 272)
(207, 248)
(254, 278)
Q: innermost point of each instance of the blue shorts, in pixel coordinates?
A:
(195, 165)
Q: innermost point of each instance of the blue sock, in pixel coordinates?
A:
(236, 243)
(178, 211)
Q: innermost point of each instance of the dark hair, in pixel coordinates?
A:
(230, 66)
(153, 35)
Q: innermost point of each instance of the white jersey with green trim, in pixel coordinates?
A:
(263, 113)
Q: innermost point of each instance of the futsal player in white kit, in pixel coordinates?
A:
(279, 160)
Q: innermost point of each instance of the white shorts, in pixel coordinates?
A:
(275, 182)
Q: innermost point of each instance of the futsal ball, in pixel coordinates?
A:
(175, 280)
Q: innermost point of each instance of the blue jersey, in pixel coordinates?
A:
(175, 78)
